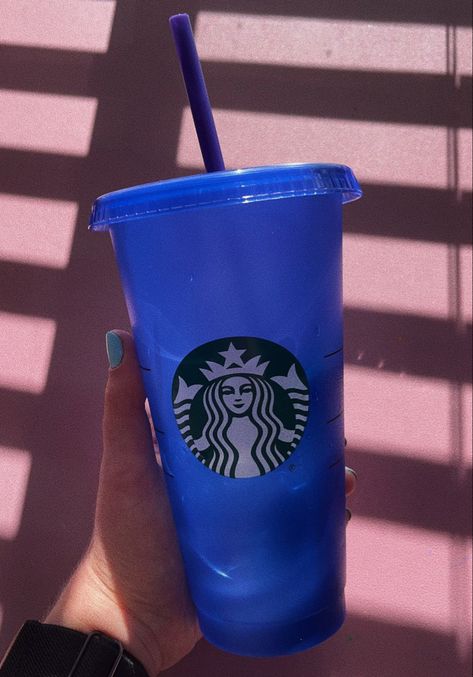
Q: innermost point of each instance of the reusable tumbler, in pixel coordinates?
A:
(233, 284)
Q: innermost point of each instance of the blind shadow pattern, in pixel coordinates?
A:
(135, 140)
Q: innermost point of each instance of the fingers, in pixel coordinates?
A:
(350, 481)
(124, 386)
(350, 486)
(151, 425)
(127, 437)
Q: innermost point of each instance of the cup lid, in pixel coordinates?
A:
(221, 188)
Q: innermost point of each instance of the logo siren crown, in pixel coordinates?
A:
(234, 365)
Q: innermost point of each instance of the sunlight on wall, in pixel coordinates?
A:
(466, 394)
(467, 566)
(15, 467)
(466, 283)
(323, 43)
(404, 276)
(26, 345)
(71, 25)
(397, 573)
(37, 231)
(465, 158)
(378, 152)
(52, 123)
(401, 573)
(399, 414)
(396, 275)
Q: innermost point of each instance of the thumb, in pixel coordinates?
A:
(127, 437)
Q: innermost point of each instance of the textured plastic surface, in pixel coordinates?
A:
(232, 187)
(263, 545)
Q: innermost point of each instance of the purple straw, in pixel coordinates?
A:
(197, 92)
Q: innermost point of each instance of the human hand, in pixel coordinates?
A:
(130, 584)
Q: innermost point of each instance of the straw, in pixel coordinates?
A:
(197, 92)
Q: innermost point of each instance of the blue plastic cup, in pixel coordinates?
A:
(233, 284)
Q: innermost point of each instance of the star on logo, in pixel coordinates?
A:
(232, 356)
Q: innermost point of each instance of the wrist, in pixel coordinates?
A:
(47, 649)
(85, 605)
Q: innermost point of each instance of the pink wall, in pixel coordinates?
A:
(91, 101)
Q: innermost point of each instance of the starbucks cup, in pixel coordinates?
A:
(233, 284)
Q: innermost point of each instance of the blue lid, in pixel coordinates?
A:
(221, 188)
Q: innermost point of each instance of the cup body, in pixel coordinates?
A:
(236, 311)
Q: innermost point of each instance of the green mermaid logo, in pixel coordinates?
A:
(241, 405)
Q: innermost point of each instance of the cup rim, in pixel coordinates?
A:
(230, 187)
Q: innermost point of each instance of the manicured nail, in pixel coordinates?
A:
(114, 349)
(348, 515)
(352, 472)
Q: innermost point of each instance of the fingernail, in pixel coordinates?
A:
(352, 472)
(348, 515)
(114, 349)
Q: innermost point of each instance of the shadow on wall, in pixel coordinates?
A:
(135, 140)
(362, 647)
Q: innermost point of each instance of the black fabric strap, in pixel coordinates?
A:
(42, 650)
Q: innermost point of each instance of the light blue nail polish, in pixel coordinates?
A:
(114, 349)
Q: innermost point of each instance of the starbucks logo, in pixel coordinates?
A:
(241, 405)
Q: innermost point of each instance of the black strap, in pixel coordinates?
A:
(42, 650)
